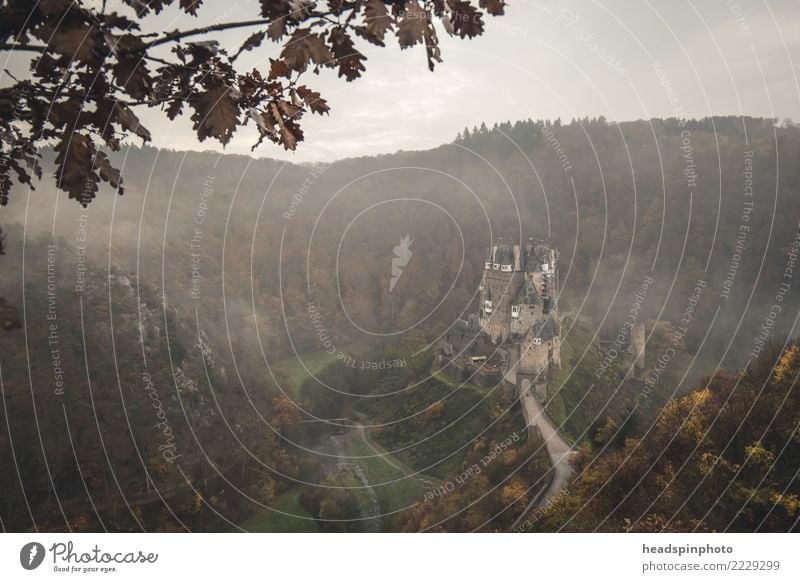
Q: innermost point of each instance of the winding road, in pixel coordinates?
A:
(557, 448)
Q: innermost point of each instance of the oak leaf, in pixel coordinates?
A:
(411, 28)
(306, 47)
(215, 113)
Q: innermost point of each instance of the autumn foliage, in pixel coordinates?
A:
(722, 458)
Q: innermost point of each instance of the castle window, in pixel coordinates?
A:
(506, 268)
(487, 265)
(515, 311)
(496, 266)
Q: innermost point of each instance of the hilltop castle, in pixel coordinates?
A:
(518, 302)
(517, 327)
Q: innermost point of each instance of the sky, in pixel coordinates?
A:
(622, 59)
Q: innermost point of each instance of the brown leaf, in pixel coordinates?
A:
(277, 29)
(23, 172)
(411, 28)
(305, 47)
(350, 61)
(143, 6)
(335, 6)
(376, 22)
(53, 7)
(174, 107)
(467, 20)
(108, 173)
(253, 41)
(215, 113)
(432, 46)
(5, 187)
(129, 43)
(129, 122)
(288, 110)
(114, 20)
(76, 40)
(493, 7)
(132, 75)
(312, 99)
(75, 153)
(105, 114)
(278, 68)
(291, 135)
(203, 50)
(263, 121)
(190, 6)
(290, 132)
(64, 113)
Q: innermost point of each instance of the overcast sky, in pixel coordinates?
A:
(541, 60)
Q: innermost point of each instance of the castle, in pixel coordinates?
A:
(517, 316)
(518, 303)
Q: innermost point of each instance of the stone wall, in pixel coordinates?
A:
(463, 371)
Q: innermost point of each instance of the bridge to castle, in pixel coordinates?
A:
(558, 449)
(537, 421)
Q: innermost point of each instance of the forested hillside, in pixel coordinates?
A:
(292, 232)
(219, 285)
(118, 415)
(722, 458)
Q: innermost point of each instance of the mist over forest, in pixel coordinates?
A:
(617, 203)
(236, 289)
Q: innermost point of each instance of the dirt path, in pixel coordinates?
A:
(383, 456)
(557, 448)
(535, 417)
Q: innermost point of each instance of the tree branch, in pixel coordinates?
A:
(179, 34)
(23, 47)
(170, 37)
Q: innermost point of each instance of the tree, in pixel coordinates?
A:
(94, 67)
(9, 318)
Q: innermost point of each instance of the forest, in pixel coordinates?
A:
(170, 374)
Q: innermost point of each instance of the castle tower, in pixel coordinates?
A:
(636, 347)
